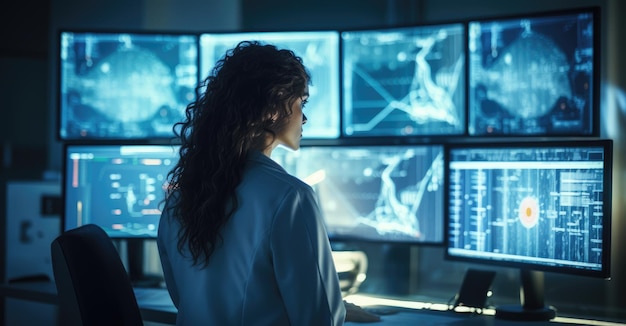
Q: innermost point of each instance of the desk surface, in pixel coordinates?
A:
(156, 306)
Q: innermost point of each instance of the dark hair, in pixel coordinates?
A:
(247, 97)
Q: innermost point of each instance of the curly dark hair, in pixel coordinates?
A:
(247, 97)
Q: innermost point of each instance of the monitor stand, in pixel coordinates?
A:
(136, 257)
(532, 307)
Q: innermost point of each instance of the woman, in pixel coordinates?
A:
(241, 241)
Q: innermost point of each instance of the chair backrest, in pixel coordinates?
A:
(92, 284)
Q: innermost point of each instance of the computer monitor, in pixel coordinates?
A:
(535, 75)
(391, 194)
(319, 51)
(123, 86)
(404, 81)
(536, 206)
(117, 187)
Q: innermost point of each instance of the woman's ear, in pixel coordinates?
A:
(273, 117)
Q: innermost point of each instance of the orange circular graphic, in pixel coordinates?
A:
(529, 212)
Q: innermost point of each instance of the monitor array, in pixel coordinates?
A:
(530, 75)
(386, 106)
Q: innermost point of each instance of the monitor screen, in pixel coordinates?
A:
(319, 51)
(542, 206)
(374, 193)
(534, 75)
(118, 187)
(404, 81)
(124, 85)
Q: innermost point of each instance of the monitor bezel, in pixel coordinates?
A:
(424, 25)
(606, 144)
(272, 36)
(64, 182)
(594, 113)
(382, 143)
(58, 78)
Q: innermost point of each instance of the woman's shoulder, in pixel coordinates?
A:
(274, 175)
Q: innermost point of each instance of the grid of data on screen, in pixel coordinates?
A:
(541, 206)
(532, 75)
(319, 51)
(118, 187)
(375, 193)
(404, 81)
(123, 85)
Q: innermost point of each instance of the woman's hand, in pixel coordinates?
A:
(357, 314)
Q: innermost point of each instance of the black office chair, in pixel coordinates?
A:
(92, 284)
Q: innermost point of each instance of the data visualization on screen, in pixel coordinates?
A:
(124, 85)
(118, 187)
(538, 206)
(319, 51)
(534, 75)
(374, 193)
(404, 81)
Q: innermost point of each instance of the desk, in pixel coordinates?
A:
(156, 306)
(414, 312)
